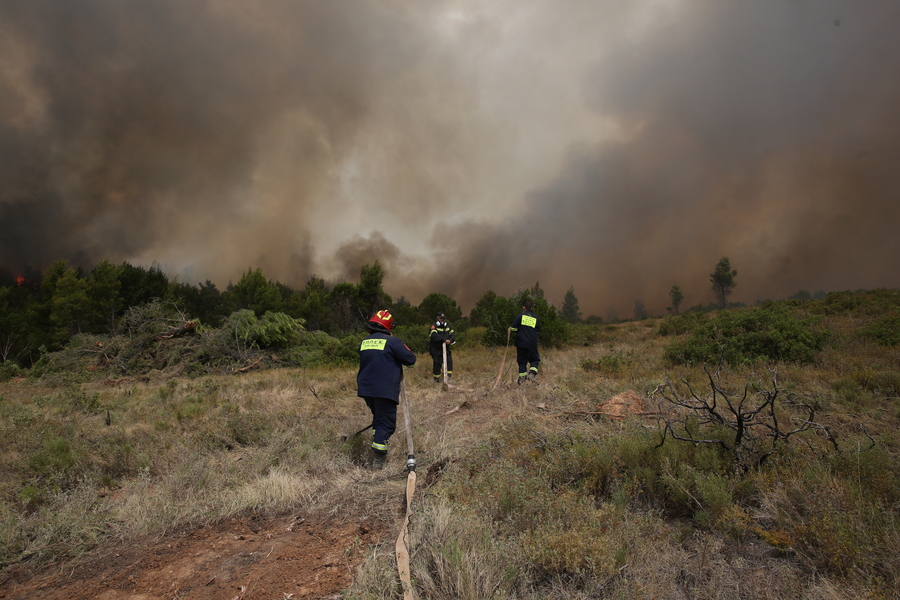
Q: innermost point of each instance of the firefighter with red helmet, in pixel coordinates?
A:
(381, 360)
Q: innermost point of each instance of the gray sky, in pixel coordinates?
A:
(617, 147)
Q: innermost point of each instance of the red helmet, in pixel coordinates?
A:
(382, 319)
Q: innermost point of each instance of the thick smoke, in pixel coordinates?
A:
(620, 148)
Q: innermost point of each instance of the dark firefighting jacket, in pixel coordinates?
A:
(527, 327)
(440, 333)
(381, 360)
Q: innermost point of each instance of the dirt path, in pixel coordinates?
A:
(239, 559)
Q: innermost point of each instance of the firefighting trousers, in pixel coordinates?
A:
(437, 357)
(524, 356)
(384, 421)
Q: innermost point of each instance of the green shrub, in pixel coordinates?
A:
(55, 457)
(883, 382)
(885, 331)
(608, 364)
(416, 337)
(771, 332)
(859, 303)
(471, 337)
(344, 351)
(677, 325)
(9, 369)
(273, 330)
(317, 348)
(587, 334)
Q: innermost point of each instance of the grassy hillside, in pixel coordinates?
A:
(758, 457)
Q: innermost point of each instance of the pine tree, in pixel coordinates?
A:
(676, 296)
(570, 312)
(722, 279)
(254, 292)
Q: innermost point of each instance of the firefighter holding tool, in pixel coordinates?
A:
(381, 360)
(441, 336)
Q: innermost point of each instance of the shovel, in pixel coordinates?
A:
(347, 436)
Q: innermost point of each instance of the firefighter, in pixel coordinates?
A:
(381, 360)
(527, 326)
(441, 336)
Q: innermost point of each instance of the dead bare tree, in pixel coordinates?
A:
(750, 424)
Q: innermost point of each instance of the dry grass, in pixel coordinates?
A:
(523, 492)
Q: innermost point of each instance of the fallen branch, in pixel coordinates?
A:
(186, 328)
(249, 367)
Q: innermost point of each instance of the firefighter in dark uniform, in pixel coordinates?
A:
(381, 361)
(527, 326)
(441, 336)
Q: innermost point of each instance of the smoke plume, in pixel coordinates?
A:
(617, 148)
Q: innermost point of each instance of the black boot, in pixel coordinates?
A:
(378, 460)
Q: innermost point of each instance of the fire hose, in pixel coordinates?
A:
(496, 383)
(402, 547)
(502, 362)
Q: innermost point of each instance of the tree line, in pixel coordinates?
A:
(40, 313)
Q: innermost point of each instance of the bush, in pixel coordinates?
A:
(587, 334)
(416, 337)
(676, 325)
(273, 330)
(771, 332)
(884, 331)
(8, 370)
(860, 303)
(320, 349)
(608, 364)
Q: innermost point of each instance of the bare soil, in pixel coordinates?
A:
(262, 557)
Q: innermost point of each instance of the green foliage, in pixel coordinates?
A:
(587, 334)
(406, 314)
(771, 333)
(55, 457)
(273, 330)
(885, 331)
(8, 370)
(343, 313)
(416, 337)
(677, 325)
(861, 303)
(722, 279)
(204, 303)
(370, 296)
(608, 364)
(495, 313)
(677, 297)
(103, 288)
(318, 348)
(314, 304)
(253, 292)
(434, 303)
(139, 285)
(569, 312)
(13, 330)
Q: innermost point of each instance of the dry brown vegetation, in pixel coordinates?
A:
(533, 491)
